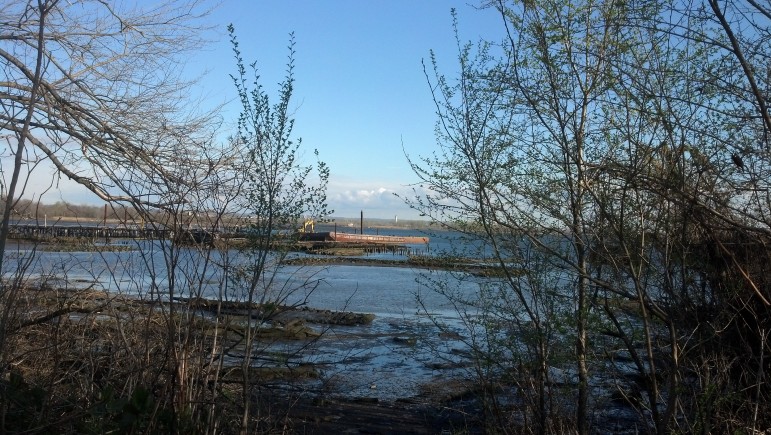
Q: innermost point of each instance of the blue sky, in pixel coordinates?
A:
(360, 91)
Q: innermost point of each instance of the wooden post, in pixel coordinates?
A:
(105, 223)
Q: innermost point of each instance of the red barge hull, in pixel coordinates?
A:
(331, 236)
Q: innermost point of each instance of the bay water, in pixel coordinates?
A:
(395, 356)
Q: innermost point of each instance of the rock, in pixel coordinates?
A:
(293, 330)
(450, 335)
(407, 341)
(297, 329)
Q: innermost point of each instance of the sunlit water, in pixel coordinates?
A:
(388, 359)
(402, 354)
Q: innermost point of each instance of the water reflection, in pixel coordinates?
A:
(382, 290)
(387, 359)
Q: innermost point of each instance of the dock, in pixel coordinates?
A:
(195, 235)
(334, 236)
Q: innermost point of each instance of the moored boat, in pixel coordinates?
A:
(333, 236)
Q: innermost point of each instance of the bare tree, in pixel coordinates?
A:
(521, 136)
(278, 192)
(96, 91)
(622, 142)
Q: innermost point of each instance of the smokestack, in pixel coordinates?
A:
(361, 224)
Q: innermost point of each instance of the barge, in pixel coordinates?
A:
(333, 236)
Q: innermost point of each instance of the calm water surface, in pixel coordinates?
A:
(388, 359)
(375, 289)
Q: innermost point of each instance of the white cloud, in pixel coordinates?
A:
(347, 197)
(376, 200)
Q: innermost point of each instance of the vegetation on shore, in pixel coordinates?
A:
(618, 153)
(98, 359)
(611, 157)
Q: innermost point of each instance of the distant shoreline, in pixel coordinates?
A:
(368, 222)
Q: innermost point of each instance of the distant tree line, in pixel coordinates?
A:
(28, 209)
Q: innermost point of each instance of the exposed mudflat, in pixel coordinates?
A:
(334, 416)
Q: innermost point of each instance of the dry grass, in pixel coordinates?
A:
(92, 362)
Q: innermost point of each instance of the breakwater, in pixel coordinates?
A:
(357, 248)
(227, 236)
(51, 232)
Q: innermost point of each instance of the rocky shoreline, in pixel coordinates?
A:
(317, 367)
(463, 265)
(304, 395)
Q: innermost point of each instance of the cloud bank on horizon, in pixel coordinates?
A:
(375, 202)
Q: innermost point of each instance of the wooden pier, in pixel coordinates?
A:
(334, 236)
(372, 243)
(51, 232)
